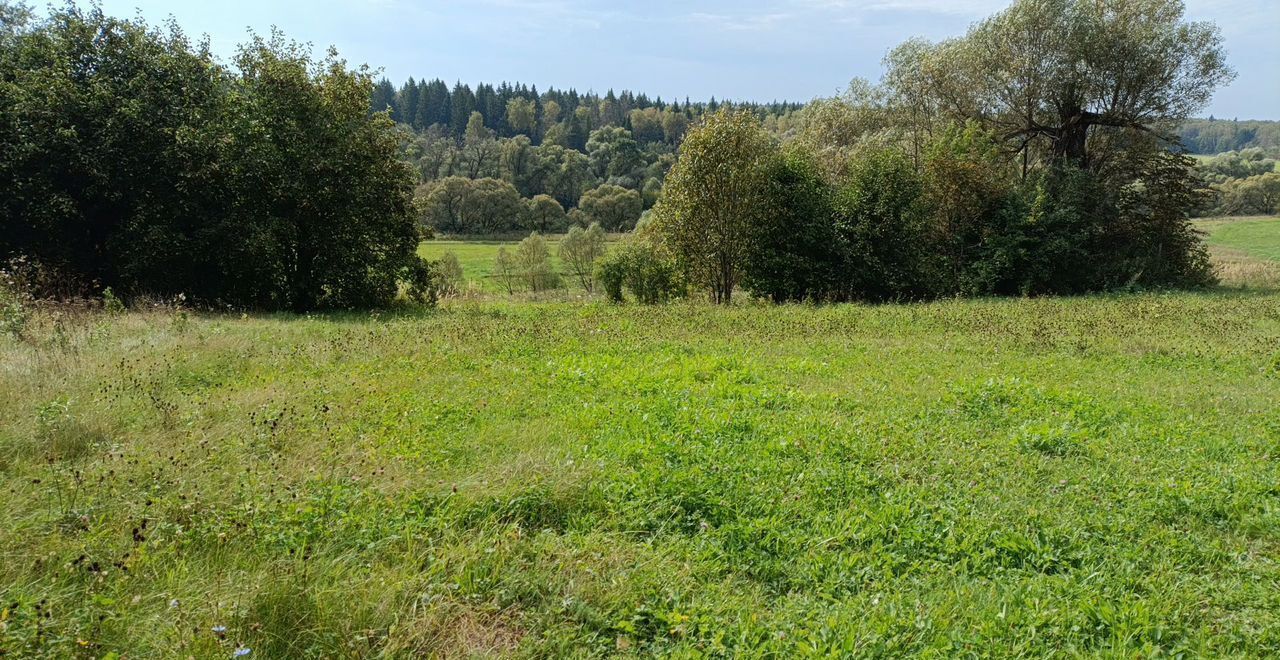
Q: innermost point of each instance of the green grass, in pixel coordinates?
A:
(1246, 250)
(1086, 476)
(1258, 237)
(477, 259)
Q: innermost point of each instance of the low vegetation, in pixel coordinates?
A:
(1032, 476)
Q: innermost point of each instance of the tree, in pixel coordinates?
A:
(544, 213)
(1059, 75)
(712, 198)
(881, 226)
(507, 269)
(568, 173)
(442, 204)
(613, 153)
(794, 253)
(646, 125)
(520, 116)
(462, 102)
(535, 263)
(492, 206)
(614, 207)
(674, 126)
(580, 249)
(519, 163)
(130, 159)
(479, 149)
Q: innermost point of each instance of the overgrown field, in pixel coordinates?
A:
(1089, 475)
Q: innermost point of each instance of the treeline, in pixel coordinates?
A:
(562, 117)
(970, 169)
(131, 159)
(1214, 136)
(506, 158)
(1241, 183)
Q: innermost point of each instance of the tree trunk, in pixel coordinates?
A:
(1069, 145)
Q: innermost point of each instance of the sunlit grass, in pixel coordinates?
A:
(1091, 475)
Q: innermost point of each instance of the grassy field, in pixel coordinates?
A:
(1084, 476)
(477, 260)
(1245, 250)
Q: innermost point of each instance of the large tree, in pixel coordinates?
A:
(1063, 77)
(713, 197)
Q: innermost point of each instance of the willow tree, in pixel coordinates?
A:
(1062, 77)
(712, 198)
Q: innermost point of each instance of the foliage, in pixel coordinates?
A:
(1216, 136)
(794, 253)
(580, 249)
(639, 266)
(448, 275)
(544, 214)
(507, 269)
(132, 159)
(534, 261)
(1064, 80)
(712, 198)
(881, 223)
(613, 207)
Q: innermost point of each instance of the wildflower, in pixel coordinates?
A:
(220, 631)
(241, 652)
(173, 604)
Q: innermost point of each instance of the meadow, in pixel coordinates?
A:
(495, 477)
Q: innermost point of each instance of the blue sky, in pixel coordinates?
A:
(744, 49)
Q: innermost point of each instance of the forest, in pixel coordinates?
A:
(506, 158)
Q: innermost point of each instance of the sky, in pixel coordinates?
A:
(739, 49)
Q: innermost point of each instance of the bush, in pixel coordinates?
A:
(534, 260)
(507, 269)
(132, 159)
(448, 275)
(580, 249)
(639, 267)
(881, 228)
(793, 251)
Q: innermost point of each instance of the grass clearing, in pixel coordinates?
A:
(1089, 475)
(477, 260)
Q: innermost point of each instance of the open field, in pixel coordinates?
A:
(477, 260)
(1087, 475)
(1245, 250)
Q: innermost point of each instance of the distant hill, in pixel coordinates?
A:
(1215, 136)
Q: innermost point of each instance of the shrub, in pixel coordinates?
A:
(880, 224)
(580, 249)
(507, 269)
(448, 275)
(639, 266)
(793, 251)
(534, 260)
